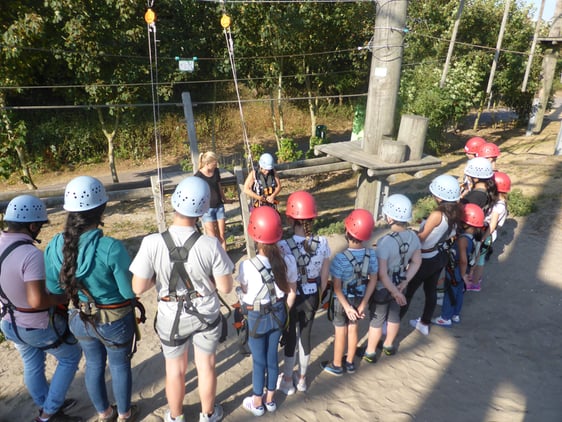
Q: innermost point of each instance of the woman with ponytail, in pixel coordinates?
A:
(92, 270)
(267, 282)
(312, 255)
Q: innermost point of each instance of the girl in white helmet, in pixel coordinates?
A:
(399, 258)
(433, 234)
(93, 271)
(263, 185)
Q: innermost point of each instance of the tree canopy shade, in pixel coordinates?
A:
(86, 52)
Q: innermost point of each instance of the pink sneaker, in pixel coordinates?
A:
(473, 287)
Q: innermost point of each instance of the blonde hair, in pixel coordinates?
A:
(206, 158)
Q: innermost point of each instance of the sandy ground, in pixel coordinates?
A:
(502, 363)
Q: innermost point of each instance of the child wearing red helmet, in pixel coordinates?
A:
(472, 145)
(494, 219)
(354, 276)
(457, 272)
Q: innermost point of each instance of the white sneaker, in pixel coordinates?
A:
(300, 383)
(286, 387)
(271, 406)
(248, 404)
(420, 326)
(168, 418)
(442, 322)
(217, 415)
(456, 319)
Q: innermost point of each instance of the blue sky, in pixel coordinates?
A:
(548, 11)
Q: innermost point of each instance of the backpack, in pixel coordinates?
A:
(178, 258)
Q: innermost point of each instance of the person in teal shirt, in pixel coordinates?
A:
(93, 271)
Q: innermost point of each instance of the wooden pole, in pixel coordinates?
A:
(157, 195)
(244, 210)
(191, 133)
(533, 46)
(498, 48)
(384, 81)
(451, 45)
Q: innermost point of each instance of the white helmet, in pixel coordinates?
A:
(84, 193)
(398, 207)
(446, 188)
(192, 197)
(26, 209)
(479, 167)
(266, 161)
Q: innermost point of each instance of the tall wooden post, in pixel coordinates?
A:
(191, 133)
(384, 80)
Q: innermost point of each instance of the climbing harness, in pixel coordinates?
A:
(9, 308)
(178, 258)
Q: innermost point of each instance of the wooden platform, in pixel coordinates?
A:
(353, 153)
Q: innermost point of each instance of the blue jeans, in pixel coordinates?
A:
(448, 309)
(118, 336)
(50, 398)
(264, 357)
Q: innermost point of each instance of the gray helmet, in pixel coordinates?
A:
(266, 161)
(446, 188)
(479, 167)
(398, 207)
(84, 193)
(26, 209)
(192, 197)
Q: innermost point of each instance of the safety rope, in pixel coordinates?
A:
(225, 23)
(150, 19)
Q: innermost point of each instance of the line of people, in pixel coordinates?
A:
(280, 288)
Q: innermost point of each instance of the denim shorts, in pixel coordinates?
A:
(214, 214)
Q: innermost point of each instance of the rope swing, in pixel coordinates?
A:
(225, 23)
(150, 19)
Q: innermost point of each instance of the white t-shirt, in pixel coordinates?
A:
(499, 208)
(322, 253)
(206, 259)
(250, 278)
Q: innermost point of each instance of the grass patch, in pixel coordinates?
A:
(520, 205)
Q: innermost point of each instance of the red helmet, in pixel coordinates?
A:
(503, 182)
(488, 150)
(473, 215)
(301, 206)
(265, 225)
(360, 224)
(472, 145)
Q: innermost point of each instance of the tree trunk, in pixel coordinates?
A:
(274, 120)
(280, 104)
(312, 104)
(110, 136)
(17, 144)
(26, 174)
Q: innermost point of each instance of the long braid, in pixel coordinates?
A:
(307, 227)
(278, 266)
(76, 224)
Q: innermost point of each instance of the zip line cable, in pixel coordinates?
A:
(150, 19)
(225, 23)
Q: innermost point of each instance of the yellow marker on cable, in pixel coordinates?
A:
(150, 16)
(225, 21)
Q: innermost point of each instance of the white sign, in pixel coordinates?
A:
(380, 72)
(186, 65)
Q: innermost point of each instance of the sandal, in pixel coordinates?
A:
(133, 413)
(110, 418)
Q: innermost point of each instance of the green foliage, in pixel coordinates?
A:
(329, 227)
(520, 205)
(422, 208)
(288, 151)
(314, 140)
(256, 150)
